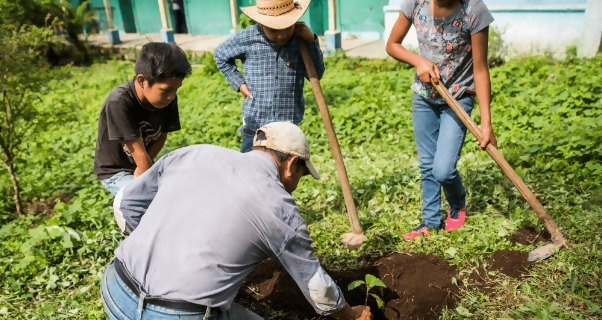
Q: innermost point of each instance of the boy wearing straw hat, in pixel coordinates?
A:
(274, 72)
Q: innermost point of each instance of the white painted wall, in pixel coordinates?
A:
(530, 26)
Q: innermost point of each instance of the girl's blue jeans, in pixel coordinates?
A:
(439, 135)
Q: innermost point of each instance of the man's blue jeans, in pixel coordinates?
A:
(121, 303)
(118, 181)
(439, 137)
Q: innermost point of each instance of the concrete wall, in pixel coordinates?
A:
(316, 17)
(530, 26)
(123, 17)
(361, 18)
(208, 16)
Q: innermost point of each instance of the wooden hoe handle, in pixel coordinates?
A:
(551, 226)
(332, 137)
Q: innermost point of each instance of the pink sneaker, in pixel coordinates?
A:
(454, 220)
(416, 233)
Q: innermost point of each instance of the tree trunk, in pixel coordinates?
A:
(13, 177)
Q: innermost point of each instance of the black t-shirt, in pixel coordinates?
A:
(124, 118)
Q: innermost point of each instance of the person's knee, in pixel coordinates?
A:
(444, 173)
(425, 164)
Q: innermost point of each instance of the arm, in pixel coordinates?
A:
(483, 84)
(141, 157)
(225, 56)
(313, 45)
(424, 68)
(317, 57)
(317, 286)
(171, 123)
(138, 194)
(156, 147)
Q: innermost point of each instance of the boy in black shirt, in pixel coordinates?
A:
(136, 116)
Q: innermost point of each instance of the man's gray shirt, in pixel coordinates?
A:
(204, 217)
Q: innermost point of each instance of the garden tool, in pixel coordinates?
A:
(354, 239)
(558, 239)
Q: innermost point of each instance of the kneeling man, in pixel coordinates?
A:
(202, 218)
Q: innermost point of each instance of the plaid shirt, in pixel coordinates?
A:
(273, 74)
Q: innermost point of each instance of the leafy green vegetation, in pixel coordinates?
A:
(547, 115)
(370, 282)
(24, 71)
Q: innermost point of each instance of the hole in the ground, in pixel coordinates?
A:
(419, 286)
(529, 235)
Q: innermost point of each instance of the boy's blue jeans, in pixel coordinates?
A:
(247, 142)
(118, 181)
(439, 135)
(121, 303)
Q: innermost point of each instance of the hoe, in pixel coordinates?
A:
(558, 239)
(354, 239)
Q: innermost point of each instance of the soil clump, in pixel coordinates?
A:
(419, 286)
(512, 263)
(47, 206)
(529, 235)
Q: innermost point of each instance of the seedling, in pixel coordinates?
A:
(371, 282)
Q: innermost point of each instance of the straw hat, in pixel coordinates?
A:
(277, 14)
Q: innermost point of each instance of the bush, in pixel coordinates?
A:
(498, 50)
(24, 71)
(244, 22)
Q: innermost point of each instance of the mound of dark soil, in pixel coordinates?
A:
(47, 206)
(529, 235)
(510, 262)
(418, 287)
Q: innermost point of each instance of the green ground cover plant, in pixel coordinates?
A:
(547, 115)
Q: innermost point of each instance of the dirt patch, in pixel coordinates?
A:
(510, 262)
(418, 287)
(529, 235)
(46, 207)
(482, 281)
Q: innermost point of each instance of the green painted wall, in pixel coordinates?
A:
(361, 16)
(147, 16)
(212, 17)
(316, 15)
(123, 17)
(127, 16)
(208, 17)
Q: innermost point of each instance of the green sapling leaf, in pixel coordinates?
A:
(355, 284)
(379, 301)
(373, 281)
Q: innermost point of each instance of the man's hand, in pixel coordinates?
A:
(362, 312)
(488, 136)
(353, 313)
(303, 31)
(244, 90)
(427, 70)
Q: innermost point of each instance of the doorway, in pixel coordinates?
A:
(179, 16)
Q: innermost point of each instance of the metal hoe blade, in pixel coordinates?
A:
(353, 240)
(543, 252)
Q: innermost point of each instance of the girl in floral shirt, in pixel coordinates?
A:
(452, 35)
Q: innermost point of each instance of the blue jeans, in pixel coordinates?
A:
(439, 135)
(247, 142)
(121, 303)
(118, 181)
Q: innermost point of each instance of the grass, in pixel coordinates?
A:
(50, 266)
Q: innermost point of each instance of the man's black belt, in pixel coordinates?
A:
(161, 302)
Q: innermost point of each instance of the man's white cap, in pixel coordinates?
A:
(286, 138)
